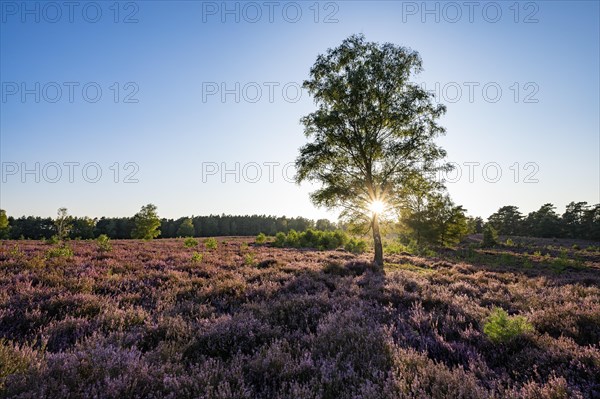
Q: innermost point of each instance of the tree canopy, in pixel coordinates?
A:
(4, 226)
(146, 223)
(372, 132)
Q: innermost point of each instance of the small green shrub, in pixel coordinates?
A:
(60, 252)
(280, 239)
(103, 243)
(53, 240)
(502, 328)
(394, 247)
(249, 259)
(211, 243)
(563, 262)
(321, 240)
(292, 239)
(16, 252)
(261, 238)
(197, 257)
(356, 246)
(490, 236)
(509, 243)
(190, 242)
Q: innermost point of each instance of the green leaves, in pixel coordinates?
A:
(502, 328)
(372, 129)
(146, 223)
(372, 132)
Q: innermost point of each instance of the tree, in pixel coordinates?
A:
(490, 236)
(434, 219)
(186, 228)
(450, 221)
(507, 220)
(572, 220)
(372, 132)
(146, 223)
(474, 225)
(591, 223)
(4, 226)
(83, 227)
(63, 223)
(324, 225)
(543, 223)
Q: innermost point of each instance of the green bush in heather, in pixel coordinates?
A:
(211, 243)
(190, 242)
(502, 328)
(321, 240)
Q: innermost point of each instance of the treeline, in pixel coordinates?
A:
(579, 220)
(433, 219)
(36, 228)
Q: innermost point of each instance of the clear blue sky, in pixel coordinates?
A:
(173, 55)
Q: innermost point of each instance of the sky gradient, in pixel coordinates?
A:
(195, 106)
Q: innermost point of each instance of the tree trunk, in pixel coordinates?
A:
(377, 242)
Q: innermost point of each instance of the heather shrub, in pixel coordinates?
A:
(335, 268)
(63, 334)
(267, 263)
(357, 268)
(147, 322)
(417, 376)
(78, 305)
(210, 243)
(579, 321)
(502, 328)
(96, 370)
(190, 242)
(349, 269)
(229, 335)
(122, 319)
(171, 329)
(261, 238)
(13, 360)
(555, 388)
(300, 313)
(350, 355)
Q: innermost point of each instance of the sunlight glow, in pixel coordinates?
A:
(377, 206)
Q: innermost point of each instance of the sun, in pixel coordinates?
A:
(377, 206)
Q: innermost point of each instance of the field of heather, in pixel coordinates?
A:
(157, 319)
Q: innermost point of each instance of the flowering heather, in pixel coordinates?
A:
(157, 320)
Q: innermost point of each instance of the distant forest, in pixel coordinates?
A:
(579, 221)
(30, 227)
